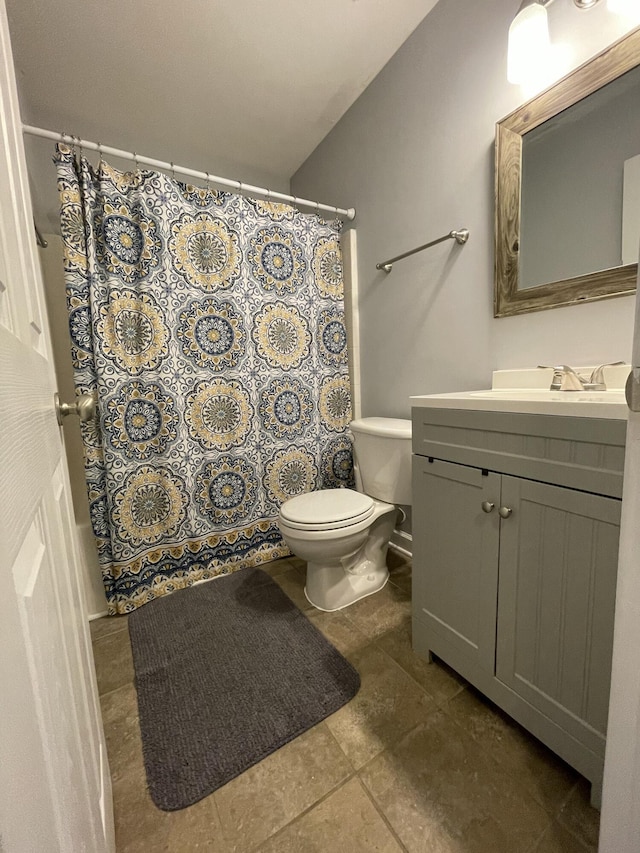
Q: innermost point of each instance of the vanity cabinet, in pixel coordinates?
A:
(515, 543)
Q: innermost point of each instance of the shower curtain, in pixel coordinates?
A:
(210, 328)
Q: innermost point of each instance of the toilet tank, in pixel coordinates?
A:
(383, 458)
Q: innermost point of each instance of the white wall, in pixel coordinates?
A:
(414, 155)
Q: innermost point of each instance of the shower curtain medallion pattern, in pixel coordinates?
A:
(211, 329)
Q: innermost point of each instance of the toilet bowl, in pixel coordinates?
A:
(343, 534)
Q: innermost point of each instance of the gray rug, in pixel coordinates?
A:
(227, 672)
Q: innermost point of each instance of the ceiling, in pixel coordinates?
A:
(241, 88)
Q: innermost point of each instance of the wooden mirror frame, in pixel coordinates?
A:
(616, 60)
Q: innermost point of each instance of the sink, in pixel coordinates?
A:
(532, 400)
(614, 396)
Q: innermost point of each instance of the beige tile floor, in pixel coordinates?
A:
(417, 761)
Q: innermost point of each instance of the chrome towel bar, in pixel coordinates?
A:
(461, 235)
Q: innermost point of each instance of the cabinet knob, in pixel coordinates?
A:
(487, 506)
(505, 511)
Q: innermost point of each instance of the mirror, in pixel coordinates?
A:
(568, 188)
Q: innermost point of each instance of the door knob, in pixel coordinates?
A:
(632, 389)
(487, 506)
(84, 407)
(505, 511)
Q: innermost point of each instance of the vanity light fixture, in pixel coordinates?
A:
(529, 44)
(528, 40)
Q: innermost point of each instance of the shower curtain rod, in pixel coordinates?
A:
(240, 186)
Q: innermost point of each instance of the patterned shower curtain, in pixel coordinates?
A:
(210, 327)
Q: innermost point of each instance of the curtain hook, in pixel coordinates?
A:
(240, 187)
(80, 150)
(208, 180)
(135, 161)
(173, 171)
(318, 209)
(268, 192)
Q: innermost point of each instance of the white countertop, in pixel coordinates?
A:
(527, 391)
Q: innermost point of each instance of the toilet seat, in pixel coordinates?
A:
(327, 509)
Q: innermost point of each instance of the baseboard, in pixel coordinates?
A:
(93, 616)
(402, 542)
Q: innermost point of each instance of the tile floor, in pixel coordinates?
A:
(417, 761)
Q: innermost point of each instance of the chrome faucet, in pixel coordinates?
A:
(597, 377)
(565, 378)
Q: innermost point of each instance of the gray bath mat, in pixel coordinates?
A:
(226, 672)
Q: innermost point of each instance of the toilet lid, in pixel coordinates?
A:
(327, 508)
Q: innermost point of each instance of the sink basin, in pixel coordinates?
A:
(553, 396)
(527, 391)
(589, 404)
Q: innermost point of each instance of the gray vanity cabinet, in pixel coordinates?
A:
(514, 578)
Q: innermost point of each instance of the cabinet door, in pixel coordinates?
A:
(455, 559)
(558, 564)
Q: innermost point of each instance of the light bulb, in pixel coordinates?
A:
(529, 44)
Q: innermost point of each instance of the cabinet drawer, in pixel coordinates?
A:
(579, 453)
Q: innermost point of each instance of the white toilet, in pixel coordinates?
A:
(344, 534)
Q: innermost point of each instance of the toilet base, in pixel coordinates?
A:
(331, 588)
(344, 564)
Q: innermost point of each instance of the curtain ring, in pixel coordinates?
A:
(71, 137)
(72, 143)
(173, 171)
(240, 187)
(99, 155)
(81, 152)
(135, 161)
(268, 194)
(208, 180)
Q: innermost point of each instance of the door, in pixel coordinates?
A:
(455, 555)
(620, 823)
(55, 794)
(556, 597)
